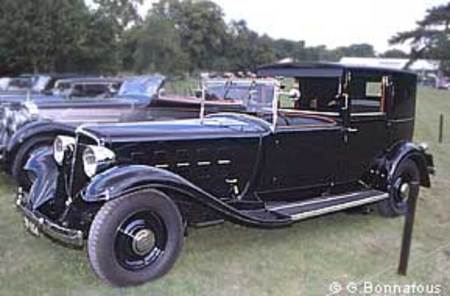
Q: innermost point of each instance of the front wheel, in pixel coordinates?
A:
(404, 186)
(136, 238)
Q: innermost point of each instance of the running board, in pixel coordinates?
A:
(319, 206)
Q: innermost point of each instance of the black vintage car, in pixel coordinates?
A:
(131, 189)
(33, 124)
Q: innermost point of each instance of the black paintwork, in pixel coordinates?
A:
(234, 165)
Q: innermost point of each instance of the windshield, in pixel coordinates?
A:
(144, 87)
(40, 83)
(255, 95)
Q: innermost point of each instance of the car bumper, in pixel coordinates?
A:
(38, 223)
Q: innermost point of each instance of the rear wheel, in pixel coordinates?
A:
(24, 152)
(136, 238)
(405, 185)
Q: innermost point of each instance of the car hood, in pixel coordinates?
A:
(190, 129)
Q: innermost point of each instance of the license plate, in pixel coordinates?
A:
(31, 227)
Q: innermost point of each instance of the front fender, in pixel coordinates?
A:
(121, 180)
(40, 127)
(408, 150)
(42, 165)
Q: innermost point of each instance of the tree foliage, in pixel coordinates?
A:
(158, 47)
(395, 53)
(109, 36)
(37, 34)
(122, 13)
(430, 39)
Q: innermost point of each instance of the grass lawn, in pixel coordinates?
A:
(231, 260)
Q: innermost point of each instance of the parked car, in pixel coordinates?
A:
(32, 125)
(61, 86)
(16, 84)
(87, 87)
(132, 189)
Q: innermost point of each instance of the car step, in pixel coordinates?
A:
(320, 206)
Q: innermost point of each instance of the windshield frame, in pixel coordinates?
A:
(251, 85)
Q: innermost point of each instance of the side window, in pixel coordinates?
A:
(318, 94)
(367, 95)
(288, 84)
(77, 90)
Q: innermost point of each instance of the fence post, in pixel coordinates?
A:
(441, 128)
(408, 232)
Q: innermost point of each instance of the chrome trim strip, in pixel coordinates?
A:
(183, 164)
(401, 120)
(223, 161)
(337, 208)
(362, 114)
(311, 202)
(311, 112)
(203, 163)
(162, 166)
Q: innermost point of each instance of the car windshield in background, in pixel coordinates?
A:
(144, 87)
(40, 83)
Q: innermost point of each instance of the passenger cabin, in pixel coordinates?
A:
(356, 95)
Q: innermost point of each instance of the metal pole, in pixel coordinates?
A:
(441, 128)
(408, 231)
(276, 93)
(202, 103)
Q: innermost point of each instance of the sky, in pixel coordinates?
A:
(328, 22)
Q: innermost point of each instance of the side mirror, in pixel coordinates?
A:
(198, 93)
(161, 92)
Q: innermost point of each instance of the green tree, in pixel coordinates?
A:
(201, 26)
(430, 39)
(394, 53)
(245, 49)
(97, 51)
(363, 50)
(122, 13)
(158, 47)
(35, 35)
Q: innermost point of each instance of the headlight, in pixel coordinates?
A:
(94, 157)
(60, 146)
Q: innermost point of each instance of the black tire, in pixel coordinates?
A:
(112, 242)
(397, 204)
(22, 155)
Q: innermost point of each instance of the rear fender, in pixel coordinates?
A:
(121, 180)
(408, 150)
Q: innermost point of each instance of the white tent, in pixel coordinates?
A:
(390, 63)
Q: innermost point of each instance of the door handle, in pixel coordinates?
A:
(351, 130)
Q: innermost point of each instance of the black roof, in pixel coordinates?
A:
(321, 69)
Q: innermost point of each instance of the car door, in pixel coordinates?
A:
(367, 130)
(303, 159)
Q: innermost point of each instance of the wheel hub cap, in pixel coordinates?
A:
(405, 188)
(143, 242)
